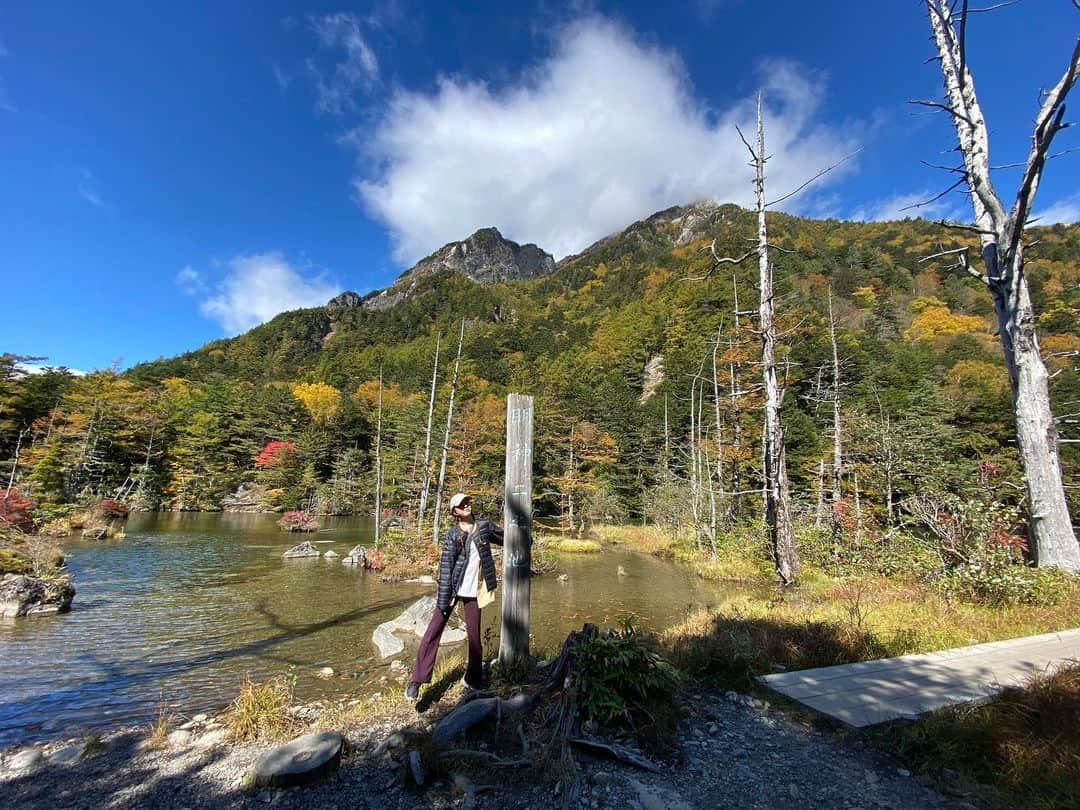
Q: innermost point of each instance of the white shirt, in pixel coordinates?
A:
(470, 582)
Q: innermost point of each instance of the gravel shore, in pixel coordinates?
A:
(735, 752)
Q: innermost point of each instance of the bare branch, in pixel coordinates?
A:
(958, 227)
(746, 143)
(719, 260)
(936, 197)
(1048, 158)
(957, 169)
(815, 177)
(1047, 124)
(996, 6)
(962, 251)
(939, 106)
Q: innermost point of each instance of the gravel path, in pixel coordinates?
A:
(734, 754)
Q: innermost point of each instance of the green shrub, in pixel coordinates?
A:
(626, 681)
(998, 580)
(11, 562)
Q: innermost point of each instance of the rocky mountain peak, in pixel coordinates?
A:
(486, 257)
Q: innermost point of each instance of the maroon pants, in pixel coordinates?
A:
(429, 644)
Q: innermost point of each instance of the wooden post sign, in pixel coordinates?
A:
(517, 523)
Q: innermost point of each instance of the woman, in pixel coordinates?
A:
(466, 575)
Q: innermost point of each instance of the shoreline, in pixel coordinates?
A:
(732, 752)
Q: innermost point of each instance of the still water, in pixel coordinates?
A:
(186, 605)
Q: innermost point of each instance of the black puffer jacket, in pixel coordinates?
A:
(452, 562)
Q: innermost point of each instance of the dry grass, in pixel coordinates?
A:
(261, 711)
(29, 554)
(158, 736)
(647, 539)
(831, 621)
(571, 545)
(1026, 741)
(408, 557)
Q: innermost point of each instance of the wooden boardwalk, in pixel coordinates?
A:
(876, 691)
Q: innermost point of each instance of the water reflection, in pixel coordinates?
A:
(188, 604)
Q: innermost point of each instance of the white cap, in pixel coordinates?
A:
(455, 501)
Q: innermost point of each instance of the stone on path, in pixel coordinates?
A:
(871, 692)
(26, 760)
(653, 798)
(69, 754)
(415, 621)
(416, 765)
(304, 549)
(300, 762)
(212, 738)
(462, 718)
(180, 737)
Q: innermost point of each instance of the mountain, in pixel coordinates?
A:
(615, 342)
(485, 257)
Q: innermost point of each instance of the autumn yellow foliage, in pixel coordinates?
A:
(933, 318)
(321, 400)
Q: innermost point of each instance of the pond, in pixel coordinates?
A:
(186, 605)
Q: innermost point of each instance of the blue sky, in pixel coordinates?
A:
(172, 173)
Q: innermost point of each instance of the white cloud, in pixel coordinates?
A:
(359, 68)
(1066, 211)
(5, 102)
(190, 281)
(283, 79)
(902, 206)
(258, 287)
(87, 188)
(606, 130)
(31, 369)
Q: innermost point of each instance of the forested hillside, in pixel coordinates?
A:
(617, 344)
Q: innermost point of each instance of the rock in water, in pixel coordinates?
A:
(386, 642)
(356, 556)
(300, 762)
(22, 595)
(415, 621)
(305, 549)
(331, 554)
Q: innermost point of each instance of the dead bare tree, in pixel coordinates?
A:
(838, 436)
(378, 466)
(777, 498)
(1002, 247)
(446, 436)
(425, 488)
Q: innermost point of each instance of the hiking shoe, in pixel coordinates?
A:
(471, 686)
(412, 692)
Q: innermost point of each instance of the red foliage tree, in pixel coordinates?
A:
(274, 453)
(15, 511)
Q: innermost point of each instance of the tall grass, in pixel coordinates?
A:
(261, 711)
(1025, 741)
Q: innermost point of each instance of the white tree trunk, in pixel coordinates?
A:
(777, 498)
(1002, 250)
(446, 437)
(378, 467)
(426, 486)
(838, 449)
